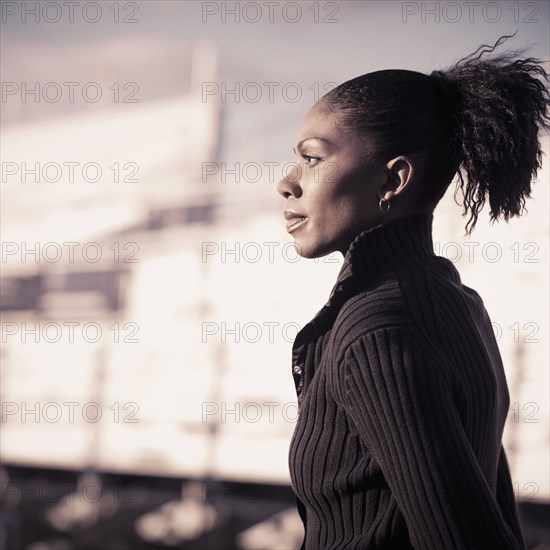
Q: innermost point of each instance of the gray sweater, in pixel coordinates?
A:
(402, 404)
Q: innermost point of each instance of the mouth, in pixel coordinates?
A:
(294, 224)
(294, 220)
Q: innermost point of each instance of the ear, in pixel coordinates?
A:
(399, 175)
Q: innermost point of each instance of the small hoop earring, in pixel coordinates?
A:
(384, 205)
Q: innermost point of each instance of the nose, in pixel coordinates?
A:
(289, 186)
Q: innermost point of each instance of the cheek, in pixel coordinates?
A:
(344, 192)
(348, 205)
(337, 214)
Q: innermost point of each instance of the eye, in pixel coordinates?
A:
(310, 160)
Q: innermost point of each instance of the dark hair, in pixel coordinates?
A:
(480, 117)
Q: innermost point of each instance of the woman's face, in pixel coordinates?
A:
(332, 193)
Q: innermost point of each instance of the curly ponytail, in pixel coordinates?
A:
(500, 106)
(479, 118)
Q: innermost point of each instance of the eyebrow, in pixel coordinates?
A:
(308, 138)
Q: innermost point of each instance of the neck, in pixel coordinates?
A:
(388, 247)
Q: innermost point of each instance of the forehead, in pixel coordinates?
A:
(321, 121)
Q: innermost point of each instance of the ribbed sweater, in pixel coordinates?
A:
(402, 404)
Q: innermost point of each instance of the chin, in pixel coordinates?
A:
(311, 250)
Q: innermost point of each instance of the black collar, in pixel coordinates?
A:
(385, 248)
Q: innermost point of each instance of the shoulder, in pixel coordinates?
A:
(382, 304)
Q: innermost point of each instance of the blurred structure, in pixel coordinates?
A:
(105, 367)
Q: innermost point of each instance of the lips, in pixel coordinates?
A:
(294, 220)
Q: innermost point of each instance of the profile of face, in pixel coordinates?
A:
(332, 193)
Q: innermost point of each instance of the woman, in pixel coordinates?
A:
(401, 389)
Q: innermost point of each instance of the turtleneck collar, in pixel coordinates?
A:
(388, 247)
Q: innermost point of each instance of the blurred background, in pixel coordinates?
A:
(149, 291)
